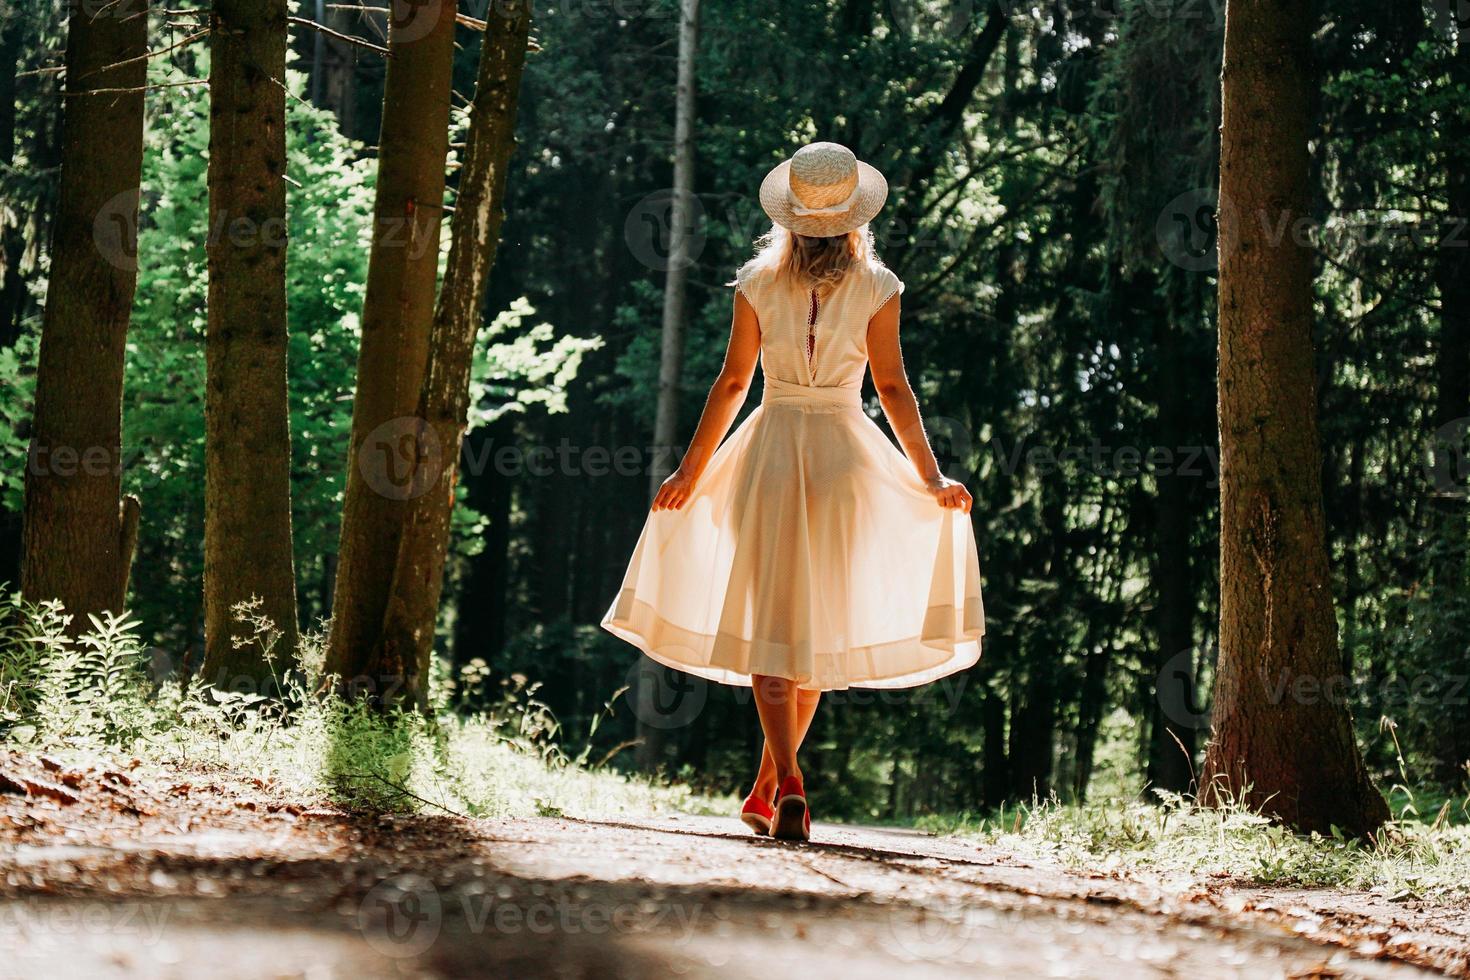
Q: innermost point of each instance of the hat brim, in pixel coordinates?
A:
(775, 197)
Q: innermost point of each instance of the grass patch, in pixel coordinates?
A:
(1410, 858)
(93, 700)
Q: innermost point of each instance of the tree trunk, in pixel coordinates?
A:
(12, 241)
(398, 312)
(73, 538)
(1171, 751)
(996, 781)
(1452, 425)
(1283, 737)
(247, 486)
(671, 359)
(484, 598)
(399, 662)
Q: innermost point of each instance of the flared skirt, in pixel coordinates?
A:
(811, 550)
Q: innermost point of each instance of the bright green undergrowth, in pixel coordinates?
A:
(1425, 853)
(96, 699)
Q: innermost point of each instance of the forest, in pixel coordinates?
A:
(343, 346)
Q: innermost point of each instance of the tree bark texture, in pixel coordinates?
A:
(1283, 737)
(247, 492)
(399, 662)
(398, 313)
(73, 536)
(671, 359)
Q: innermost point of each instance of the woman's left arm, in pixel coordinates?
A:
(720, 408)
(885, 361)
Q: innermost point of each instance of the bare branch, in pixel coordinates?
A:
(463, 20)
(145, 57)
(348, 38)
(140, 88)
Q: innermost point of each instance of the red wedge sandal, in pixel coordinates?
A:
(793, 816)
(757, 815)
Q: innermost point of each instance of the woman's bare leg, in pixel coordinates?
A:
(766, 780)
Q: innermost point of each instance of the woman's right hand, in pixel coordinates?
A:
(950, 493)
(674, 491)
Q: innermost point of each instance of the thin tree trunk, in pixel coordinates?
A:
(996, 781)
(319, 54)
(12, 283)
(12, 241)
(74, 538)
(484, 598)
(398, 312)
(402, 653)
(671, 360)
(1283, 736)
(247, 486)
(1091, 706)
(1452, 423)
(1171, 750)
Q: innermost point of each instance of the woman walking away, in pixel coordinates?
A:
(806, 553)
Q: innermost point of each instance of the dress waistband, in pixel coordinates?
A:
(787, 392)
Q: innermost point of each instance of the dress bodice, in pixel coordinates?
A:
(817, 340)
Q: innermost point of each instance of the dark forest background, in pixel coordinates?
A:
(1052, 166)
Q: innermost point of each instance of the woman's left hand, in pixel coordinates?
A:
(674, 491)
(950, 493)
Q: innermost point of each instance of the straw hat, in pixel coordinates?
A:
(822, 191)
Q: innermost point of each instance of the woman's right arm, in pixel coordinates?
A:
(720, 408)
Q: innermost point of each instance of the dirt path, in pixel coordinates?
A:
(204, 877)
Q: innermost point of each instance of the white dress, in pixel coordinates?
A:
(809, 548)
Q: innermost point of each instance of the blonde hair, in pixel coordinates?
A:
(812, 263)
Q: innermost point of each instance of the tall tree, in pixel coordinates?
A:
(399, 661)
(247, 487)
(1452, 415)
(1283, 736)
(398, 313)
(78, 532)
(671, 358)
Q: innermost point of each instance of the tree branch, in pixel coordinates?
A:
(348, 38)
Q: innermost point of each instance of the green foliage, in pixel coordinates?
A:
(521, 365)
(330, 211)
